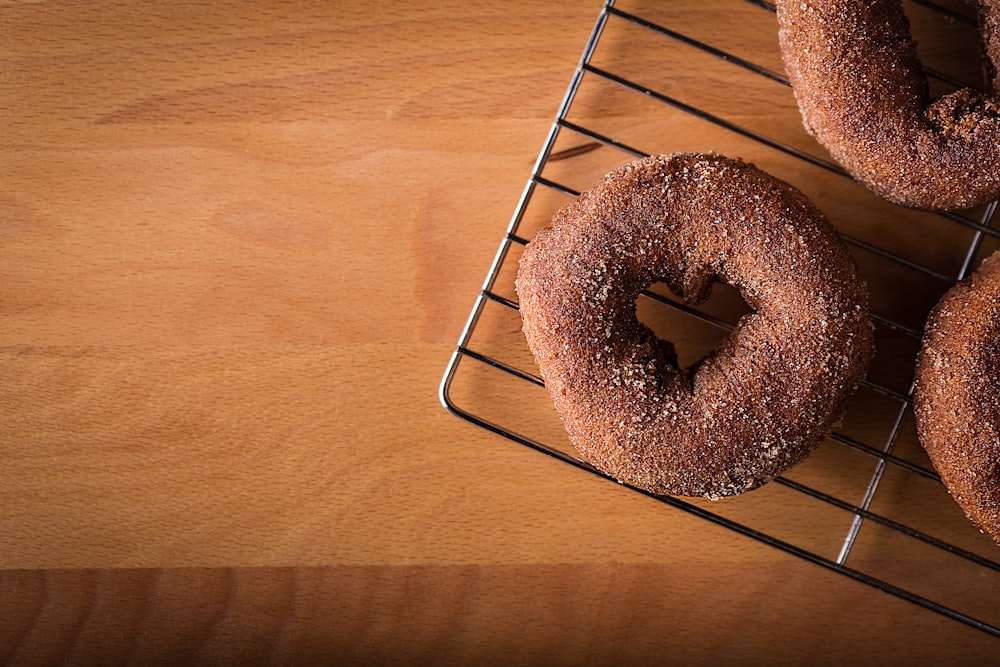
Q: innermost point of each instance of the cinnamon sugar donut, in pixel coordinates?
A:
(766, 396)
(957, 397)
(863, 93)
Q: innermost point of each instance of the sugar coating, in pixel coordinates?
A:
(957, 397)
(766, 396)
(863, 94)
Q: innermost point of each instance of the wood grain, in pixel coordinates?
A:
(601, 613)
(238, 242)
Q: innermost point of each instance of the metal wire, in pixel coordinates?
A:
(883, 454)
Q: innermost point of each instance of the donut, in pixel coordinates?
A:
(956, 398)
(765, 396)
(863, 94)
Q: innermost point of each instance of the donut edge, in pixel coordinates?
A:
(950, 430)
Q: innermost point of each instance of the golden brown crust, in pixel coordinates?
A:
(864, 95)
(957, 399)
(766, 396)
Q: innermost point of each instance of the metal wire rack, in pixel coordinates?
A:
(654, 78)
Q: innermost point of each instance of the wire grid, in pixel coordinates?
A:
(895, 548)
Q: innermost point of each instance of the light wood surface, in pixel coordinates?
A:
(238, 242)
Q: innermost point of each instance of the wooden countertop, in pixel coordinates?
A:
(238, 242)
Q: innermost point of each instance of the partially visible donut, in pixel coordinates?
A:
(957, 396)
(766, 396)
(863, 93)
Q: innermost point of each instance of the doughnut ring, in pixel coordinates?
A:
(766, 396)
(957, 395)
(863, 94)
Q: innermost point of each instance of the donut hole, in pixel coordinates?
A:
(692, 336)
(954, 47)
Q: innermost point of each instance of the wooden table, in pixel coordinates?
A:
(238, 242)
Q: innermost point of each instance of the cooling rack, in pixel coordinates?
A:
(659, 77)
